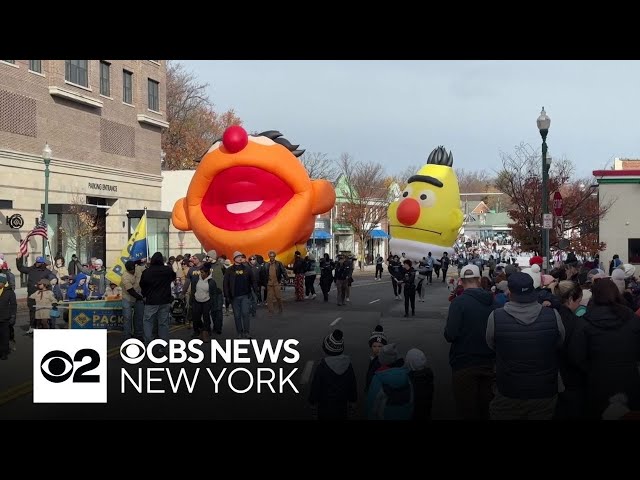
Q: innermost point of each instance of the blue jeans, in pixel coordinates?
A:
(161, 314)
(132, 318)
(241, 314)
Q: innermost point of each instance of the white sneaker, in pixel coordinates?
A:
(313, 297)
(348, 299)
(30, 331)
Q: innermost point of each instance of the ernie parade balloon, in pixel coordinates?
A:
(252, 194)
(427, 217)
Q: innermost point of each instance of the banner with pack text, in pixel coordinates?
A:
(96, 314)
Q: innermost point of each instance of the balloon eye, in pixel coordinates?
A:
(405, 194)
(427, 198)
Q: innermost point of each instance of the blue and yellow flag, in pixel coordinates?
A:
(135, 249)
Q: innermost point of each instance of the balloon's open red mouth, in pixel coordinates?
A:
(242, 198)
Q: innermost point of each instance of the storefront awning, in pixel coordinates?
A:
(377, 233)
(320, 235)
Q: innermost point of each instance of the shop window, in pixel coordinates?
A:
(634, 250)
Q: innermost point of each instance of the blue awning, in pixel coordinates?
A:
(320, 235)
(377, 233)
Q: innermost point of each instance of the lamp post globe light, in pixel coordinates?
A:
(46, 157)
(544, 122)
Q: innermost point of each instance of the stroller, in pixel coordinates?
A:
(178, 310)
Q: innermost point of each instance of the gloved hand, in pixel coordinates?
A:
(12, 320)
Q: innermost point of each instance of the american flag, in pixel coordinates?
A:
(39, 231)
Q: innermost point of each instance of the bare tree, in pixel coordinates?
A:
(366, 196)
(79, 228)
(320, 166)
(403, 176)
(478, 181)
(520, 180)
(193, 123)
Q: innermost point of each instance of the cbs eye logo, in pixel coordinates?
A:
(132, 351)
(57, 366)
(70, 366)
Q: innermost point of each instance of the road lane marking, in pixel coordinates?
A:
(306, 373)
(364, 284)
(374, 301)
(335, 321)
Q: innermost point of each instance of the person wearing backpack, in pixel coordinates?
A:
(390, 394)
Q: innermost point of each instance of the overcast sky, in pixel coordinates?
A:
(396, 112)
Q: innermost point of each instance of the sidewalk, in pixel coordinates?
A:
(21, 294)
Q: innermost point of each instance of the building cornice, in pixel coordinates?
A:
(142, 118)
(75, 96)
(11, 158)
(618, 181)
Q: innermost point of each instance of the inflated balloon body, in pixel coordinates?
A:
(252, 194)
(427, 217)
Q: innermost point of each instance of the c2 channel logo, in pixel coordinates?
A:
(70, 366)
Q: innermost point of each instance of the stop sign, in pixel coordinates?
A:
(558, 208)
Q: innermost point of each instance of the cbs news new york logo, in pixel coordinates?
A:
(70, 366)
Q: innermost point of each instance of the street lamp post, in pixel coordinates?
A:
(544, 122)
(46, 156)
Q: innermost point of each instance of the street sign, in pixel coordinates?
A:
(559, 227)
(547, 221)
(558, 206)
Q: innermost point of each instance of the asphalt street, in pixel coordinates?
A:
(372, 302)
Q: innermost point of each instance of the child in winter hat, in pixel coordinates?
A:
(333, 389)
(377, 340)
(333, 343)
(422, 381)
(377, 336)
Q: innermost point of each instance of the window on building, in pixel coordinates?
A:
(82, 233)
(127, 87)
(77, 71)
(154, 96)
(157, 234)
(105, 81)
(35, 66)
(10, 61)
(634, 250)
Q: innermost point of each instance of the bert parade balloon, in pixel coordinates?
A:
(252, 194)
(427, 216)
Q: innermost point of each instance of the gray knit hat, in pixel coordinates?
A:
(333, 343)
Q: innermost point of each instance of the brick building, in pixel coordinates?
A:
(102, 120)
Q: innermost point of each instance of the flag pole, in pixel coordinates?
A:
(146, 236)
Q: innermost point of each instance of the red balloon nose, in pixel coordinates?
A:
(235, 139)
(408, 211)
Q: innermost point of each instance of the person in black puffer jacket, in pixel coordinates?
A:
(155, 284)
(606, 346)
(326, 275)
